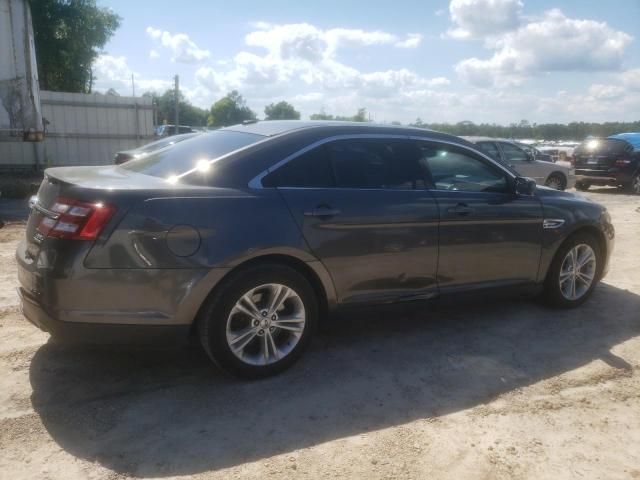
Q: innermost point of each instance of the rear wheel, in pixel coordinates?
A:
(556, 181)
(582, 186)
(260, 321)
(574, 271)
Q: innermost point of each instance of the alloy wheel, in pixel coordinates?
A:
(555, 182)
(635, 185)
(577, 271)
(265, 324)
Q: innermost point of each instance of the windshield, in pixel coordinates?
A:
(198, 152)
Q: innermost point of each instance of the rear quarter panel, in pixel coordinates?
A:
(223, 230)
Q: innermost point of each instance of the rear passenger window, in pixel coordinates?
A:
(309, 170)
(376, 165)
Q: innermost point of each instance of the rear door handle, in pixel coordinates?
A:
(322, 212)
(461, 209)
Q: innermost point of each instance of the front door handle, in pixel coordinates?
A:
(322, 212)
(461, 209)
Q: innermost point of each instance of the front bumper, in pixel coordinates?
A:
(100, 333)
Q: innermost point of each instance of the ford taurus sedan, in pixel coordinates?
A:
(248, 236)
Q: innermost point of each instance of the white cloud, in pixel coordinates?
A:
(551, 43)
(606, 92)
(481, 18)
(412, 41)
(182, 48)
(114, 72)
(631, 79)
(299, 57)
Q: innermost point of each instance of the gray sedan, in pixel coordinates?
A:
(247, 237)
(552, 175)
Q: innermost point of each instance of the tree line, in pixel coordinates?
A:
(538, 131)
(230, 110)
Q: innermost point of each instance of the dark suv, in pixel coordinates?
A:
(614, 160)
(247, 236)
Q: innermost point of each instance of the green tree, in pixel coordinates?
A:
(68, 36)
(165, 109)
(281, 111)
(229, 110)
(360, 116)
(321, 116)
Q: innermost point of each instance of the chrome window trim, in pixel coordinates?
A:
(256, 182)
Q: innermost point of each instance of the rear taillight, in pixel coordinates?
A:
(76, 220)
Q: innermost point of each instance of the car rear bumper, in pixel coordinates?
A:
(602, 178)
(100, 333)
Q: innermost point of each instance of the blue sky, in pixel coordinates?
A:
(481, 60)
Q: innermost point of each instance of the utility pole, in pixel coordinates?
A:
(177, 98)
(133, 86)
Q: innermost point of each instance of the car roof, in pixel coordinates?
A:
(632, 137)
(270, 128)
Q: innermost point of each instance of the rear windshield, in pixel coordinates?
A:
(603, 146)
(195, 152)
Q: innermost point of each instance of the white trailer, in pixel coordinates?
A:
(20, 111)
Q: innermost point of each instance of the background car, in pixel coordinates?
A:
(126, 155)
(614, 160)
(507, 152)
(246, 237)
(534, 152)
(168, 130)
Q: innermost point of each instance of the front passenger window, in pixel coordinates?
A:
(513, 153)
(453, 169)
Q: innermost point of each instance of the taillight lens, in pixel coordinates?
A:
(76, 220)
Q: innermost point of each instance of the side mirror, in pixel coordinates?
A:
(530, 157)
(525, 186)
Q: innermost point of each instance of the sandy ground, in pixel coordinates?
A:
(502, 390)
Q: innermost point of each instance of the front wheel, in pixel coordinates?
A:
(574, 271)
(556, 181)
(260, 321)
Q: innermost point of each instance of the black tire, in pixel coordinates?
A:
(552, 292)
(212, 320)
(557, 181)
(582, 186)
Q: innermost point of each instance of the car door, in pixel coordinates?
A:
(521, 162)
(488, 235)
(364, 211)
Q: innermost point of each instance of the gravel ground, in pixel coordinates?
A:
(496, 390)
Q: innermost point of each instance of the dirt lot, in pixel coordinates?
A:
(509, 390)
